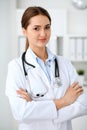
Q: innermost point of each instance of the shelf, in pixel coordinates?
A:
(78, 48)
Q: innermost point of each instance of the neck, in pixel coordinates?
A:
(41, 53)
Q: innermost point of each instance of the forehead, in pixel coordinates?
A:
(39, 20)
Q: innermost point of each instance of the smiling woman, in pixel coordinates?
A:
(38, 33)
(38, 101)
(38, 26)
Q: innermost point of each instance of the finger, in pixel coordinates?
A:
(25, 96)
(74, 84)
(77, 87)
(80, 89)
(80, 93)
(21, 91)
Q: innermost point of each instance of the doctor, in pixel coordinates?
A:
(43, 88)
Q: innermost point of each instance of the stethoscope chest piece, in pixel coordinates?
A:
(57, 82)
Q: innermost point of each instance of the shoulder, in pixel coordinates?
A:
(15, 63)
(65, 64)
(68, 68)
(63, 60)
(15, 69)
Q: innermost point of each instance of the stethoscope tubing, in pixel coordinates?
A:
(57, 76)
(24, 61)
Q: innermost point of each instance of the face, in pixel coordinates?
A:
(38, 31)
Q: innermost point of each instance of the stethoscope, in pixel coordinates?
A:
(57, 76)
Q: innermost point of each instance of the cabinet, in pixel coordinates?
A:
(77, 36)
(77, 46)
(75, 49)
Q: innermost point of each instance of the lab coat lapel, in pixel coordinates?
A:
(37, 69)
(30, 59)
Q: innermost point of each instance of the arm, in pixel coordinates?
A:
(28, 110)
(72, 93)
(21, 109)
(65, 105)
(77, 108)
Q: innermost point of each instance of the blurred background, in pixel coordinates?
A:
(69, 38)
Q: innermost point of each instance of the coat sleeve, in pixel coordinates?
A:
(25, 111)
(79, 107)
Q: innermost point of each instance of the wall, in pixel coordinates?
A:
(7, 40)
(59, 4)
(77, 19)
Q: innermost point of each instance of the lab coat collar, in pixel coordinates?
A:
(51, 56)
(33, 59)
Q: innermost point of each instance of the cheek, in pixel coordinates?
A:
(32, 38)
(30, 35)
(49, 34)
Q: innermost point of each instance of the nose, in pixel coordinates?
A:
(42, 33)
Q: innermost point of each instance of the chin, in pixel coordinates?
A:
(42, 45)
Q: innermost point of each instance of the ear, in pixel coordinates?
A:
(24, 31)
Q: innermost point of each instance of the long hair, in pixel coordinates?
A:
(28, 14)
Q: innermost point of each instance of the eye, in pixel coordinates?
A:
(36, 28)
(47, 27)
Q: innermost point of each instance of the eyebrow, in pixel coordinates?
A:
(40, 26)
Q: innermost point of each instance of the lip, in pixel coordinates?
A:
(42, 39)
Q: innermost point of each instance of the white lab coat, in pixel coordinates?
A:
(41, 113)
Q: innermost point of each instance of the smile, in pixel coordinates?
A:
(42, 40)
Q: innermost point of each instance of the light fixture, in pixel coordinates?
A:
(80, 4)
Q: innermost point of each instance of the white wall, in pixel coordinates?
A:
(59, 4)
(77, 19)
(6, 54)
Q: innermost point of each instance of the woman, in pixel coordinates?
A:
(38, 100)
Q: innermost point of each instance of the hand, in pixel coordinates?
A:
(72, 93)
(24, 94)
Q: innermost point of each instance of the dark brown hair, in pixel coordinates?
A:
(28, 14)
